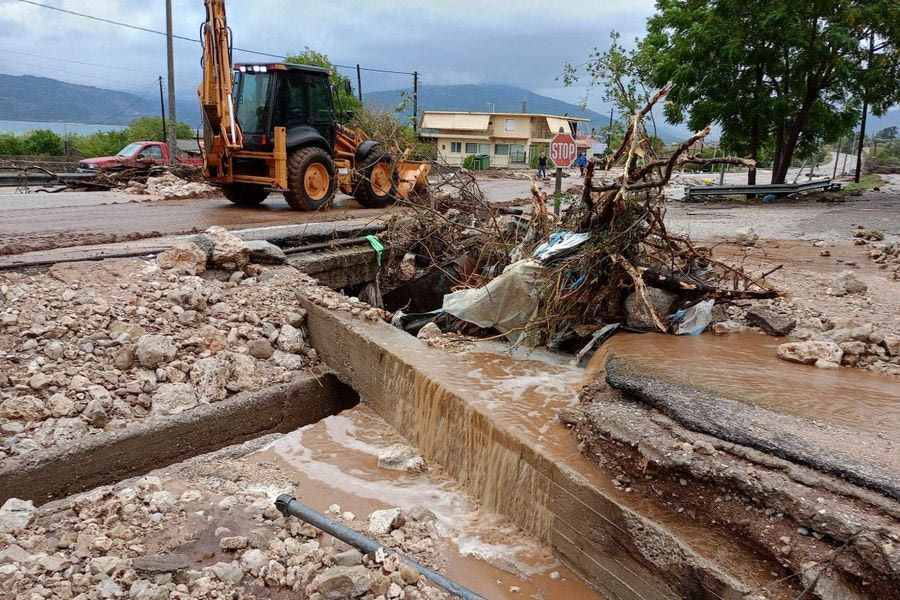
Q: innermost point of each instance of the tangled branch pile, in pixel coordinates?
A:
(624, 247)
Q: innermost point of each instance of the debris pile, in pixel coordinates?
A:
(96, 346)
(604, 260)
(169, 185)
(199, 535)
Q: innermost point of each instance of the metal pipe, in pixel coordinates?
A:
(288, 505)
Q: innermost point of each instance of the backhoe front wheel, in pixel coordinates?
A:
(244, 194)
(378, 187)
(311, 181)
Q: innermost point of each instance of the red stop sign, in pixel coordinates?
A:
(562, 150)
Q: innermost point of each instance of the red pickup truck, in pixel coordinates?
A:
(138, 154)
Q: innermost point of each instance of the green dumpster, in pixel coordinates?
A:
(482, 161)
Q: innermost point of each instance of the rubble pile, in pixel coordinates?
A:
(169, 185)
(86, 347)
(199, 535)
(887, 256)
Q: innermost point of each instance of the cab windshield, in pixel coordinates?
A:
(129, 150)
(251, 95)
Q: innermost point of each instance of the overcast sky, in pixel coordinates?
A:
(515, 42)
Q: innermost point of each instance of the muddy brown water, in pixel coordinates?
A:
(745, 367)
(336, 461)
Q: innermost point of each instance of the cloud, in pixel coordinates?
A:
(523, 43)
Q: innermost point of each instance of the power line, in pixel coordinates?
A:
(77, 62)
(188, 39)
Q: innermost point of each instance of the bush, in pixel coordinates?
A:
(11, 144)
(107, 143)
(42, 142)
(469, 162)
(385, 127)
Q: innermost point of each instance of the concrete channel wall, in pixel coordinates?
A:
(621, 552)
(156, 442)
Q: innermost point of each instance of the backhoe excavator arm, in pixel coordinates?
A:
(215, 91)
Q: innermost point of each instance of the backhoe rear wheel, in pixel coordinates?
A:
(245, 194)
(378, 188)
(311, 181)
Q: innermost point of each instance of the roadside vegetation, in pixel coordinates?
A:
(43, 142)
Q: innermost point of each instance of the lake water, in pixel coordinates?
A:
(18, 127)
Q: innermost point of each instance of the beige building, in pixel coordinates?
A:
(509, 139)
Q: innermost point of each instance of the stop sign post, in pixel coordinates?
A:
(563, 153)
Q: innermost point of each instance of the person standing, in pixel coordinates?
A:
(581, 162)
(542, 166)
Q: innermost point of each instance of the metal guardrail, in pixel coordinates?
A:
(777, 189)
(40, 178)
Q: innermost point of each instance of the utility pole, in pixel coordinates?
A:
(162, 109)
(837, 155)
(358, 82)
(862, 124)
(170, 131)
(415, 100)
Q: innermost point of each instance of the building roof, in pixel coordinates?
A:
(459, 121)
(504, 114)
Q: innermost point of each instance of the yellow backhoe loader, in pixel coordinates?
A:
(272, 128)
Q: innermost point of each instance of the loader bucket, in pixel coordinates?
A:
(413, 176)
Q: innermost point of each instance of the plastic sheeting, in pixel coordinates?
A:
(559, 244)
(693, 320)
(507, 302)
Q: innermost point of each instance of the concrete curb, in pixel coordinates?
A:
(161, 441)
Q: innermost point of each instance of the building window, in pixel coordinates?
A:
(501, 149)
(455, 147)
(510, 125)
(471, 148)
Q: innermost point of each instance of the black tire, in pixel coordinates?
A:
(380, 190)
(312, 194)
(245, 194)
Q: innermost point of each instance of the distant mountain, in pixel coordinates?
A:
(889, 119)
(500, 98)
(29, 98)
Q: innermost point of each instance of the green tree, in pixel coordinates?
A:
(888, 133)
(795, 73)
(42, 142)
(107, 143)
(11, 145)
(346, 102)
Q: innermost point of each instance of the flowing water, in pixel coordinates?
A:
(744, 367)
(337, 463)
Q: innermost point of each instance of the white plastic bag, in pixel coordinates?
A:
(694, 320)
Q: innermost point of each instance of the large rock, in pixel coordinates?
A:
(771, 322)
(746, 236)
(27, 408)
(638, 313)
(339, 583)
(290, 339)
(253, 560)
(228, 250)
(185, 257)
(154, 350)
(16, 515)
(400, 457)
(265, 253)
(385, 521)
(822, 354)
(96, 413)
(173, 398)
(161, 563)
(243, 373)
(209, 376)
(228, 572)
(847, 283)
